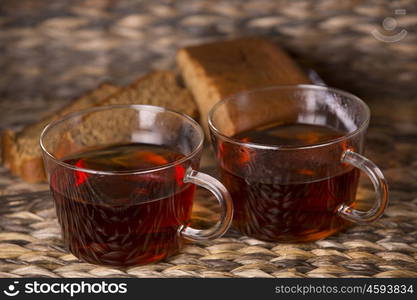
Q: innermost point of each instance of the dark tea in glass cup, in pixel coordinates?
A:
(123, 180)
(291, 157)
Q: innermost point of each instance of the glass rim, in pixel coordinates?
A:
(136, 107)
(346, 136)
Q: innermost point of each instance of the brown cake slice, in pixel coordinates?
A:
(159, 88)
(218, 70)
(21, 151)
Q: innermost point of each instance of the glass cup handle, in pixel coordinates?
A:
(224, 199)
(380, 185)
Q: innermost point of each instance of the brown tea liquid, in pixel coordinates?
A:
(122, 219)
(273, 210)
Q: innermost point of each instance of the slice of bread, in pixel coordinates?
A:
(21, 151)
(218, 70)
(121, 125)
(159, 88)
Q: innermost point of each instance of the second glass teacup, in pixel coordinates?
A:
(123, 180)
(290, 157)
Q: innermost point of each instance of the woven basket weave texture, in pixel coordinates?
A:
(53, 51)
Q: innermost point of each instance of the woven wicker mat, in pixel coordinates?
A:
(52, 51)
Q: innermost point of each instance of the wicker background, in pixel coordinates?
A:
(52, 51)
